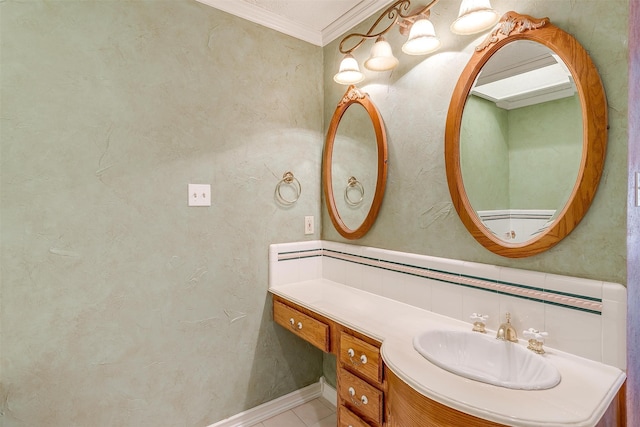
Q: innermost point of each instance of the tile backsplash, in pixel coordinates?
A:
(582, 316)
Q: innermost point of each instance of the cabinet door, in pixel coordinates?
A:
(408, 408)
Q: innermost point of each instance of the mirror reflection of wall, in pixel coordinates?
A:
(521, 144)
(355, 154)
(526, 158)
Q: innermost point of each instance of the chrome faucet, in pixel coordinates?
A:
(506, 332)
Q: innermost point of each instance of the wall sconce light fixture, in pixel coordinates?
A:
(474, 17)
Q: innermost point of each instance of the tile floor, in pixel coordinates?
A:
(315, 413)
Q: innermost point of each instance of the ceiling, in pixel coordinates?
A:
(524, 73)
(315, 21)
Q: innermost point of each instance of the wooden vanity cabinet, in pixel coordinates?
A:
(360, 370)
(390, 402)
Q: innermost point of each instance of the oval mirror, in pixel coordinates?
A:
(355, 164)
(526, 137)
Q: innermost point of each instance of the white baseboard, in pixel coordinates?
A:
(329, 393)
(282, 404)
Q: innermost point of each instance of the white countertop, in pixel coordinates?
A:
(583, 395)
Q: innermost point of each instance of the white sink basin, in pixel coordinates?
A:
(487, 359)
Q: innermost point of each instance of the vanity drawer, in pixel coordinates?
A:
(346, 418)
(361, 357)
(361, 397)
(306, 327)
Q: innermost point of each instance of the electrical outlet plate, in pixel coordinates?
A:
(199, 195)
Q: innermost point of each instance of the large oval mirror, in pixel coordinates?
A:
(526, 137)
(355, 164)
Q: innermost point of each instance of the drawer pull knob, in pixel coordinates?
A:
(351, 353)
(293, 323)
(354, 400)
(364, 399)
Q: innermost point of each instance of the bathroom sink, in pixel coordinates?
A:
(489, 360)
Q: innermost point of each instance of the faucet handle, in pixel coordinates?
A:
(478, 322)
(480, 317)
(535, 334)
(536, 339)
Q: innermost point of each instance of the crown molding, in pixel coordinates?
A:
(263, 17)
(353, 17)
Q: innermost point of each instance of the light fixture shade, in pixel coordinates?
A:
(422, 38)
(381, 57)
(349, 72)
(475, 16)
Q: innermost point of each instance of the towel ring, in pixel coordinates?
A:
(353, 183)
(288, 179)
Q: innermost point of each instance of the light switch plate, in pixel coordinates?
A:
(199, 195)
(308, 225)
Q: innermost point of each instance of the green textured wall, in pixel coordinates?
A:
(417, 214)
(545, 147)
(120, 305)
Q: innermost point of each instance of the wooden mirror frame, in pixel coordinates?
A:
(354, 96)
(514, 26)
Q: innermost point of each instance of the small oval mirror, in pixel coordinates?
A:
(522, 174)
(355, 164)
